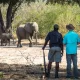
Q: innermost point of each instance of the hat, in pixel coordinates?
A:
(56, 26)
(70, 27)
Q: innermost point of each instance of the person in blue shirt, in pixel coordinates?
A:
(55, 40)
(70, 40)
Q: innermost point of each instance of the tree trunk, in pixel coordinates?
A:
(78, 2)
(8, 16)
(1, 22)
(49, 1)
(12, 8)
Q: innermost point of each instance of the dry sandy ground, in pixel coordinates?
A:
(16, 63)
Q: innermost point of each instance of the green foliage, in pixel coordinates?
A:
(13, 2)
(63, 2)
(47, 15)
(8, 1)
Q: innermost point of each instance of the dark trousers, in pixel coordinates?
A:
(72, 58)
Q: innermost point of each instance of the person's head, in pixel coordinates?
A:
(70, 27)
(56, 27)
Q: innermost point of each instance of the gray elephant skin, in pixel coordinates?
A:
(26, 32)
(5, 38)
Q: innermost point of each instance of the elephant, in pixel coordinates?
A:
(26, 32)
(5, 38)
(5, 35)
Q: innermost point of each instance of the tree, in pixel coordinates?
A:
(63, 1)
(13, 5)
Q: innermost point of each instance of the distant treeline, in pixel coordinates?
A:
(46, 16)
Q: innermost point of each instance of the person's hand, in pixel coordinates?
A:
(61, 54)
(43, 48)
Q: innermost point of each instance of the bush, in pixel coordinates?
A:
(47, 15)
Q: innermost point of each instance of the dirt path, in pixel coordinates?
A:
(16, 63)
(27, 55)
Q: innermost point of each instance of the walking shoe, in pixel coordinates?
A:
(76, 77)
(47, 75)
(56, 76)
(68, 76)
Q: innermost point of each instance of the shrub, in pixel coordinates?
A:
(47, 15)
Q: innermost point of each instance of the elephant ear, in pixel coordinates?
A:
(35, 26)
(28, 28)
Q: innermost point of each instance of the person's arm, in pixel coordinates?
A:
(46, 41)
(62, 49)
(64, 42)
(61, 44)
(44, 45)
(78, 39)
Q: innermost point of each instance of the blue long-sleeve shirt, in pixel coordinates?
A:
(71, 39)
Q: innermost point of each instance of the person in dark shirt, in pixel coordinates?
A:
(56, 49)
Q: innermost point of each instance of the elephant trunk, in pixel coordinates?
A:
(36, 38)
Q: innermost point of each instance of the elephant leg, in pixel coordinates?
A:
(13, 40)
(19, 43)
(36, 37)
(9, 41)
(1, 42)
(30, 40)
(6, 42)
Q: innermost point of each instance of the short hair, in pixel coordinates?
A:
(56, 27)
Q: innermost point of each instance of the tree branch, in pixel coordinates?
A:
(15, 9)
(8, 16)
(1, 21)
